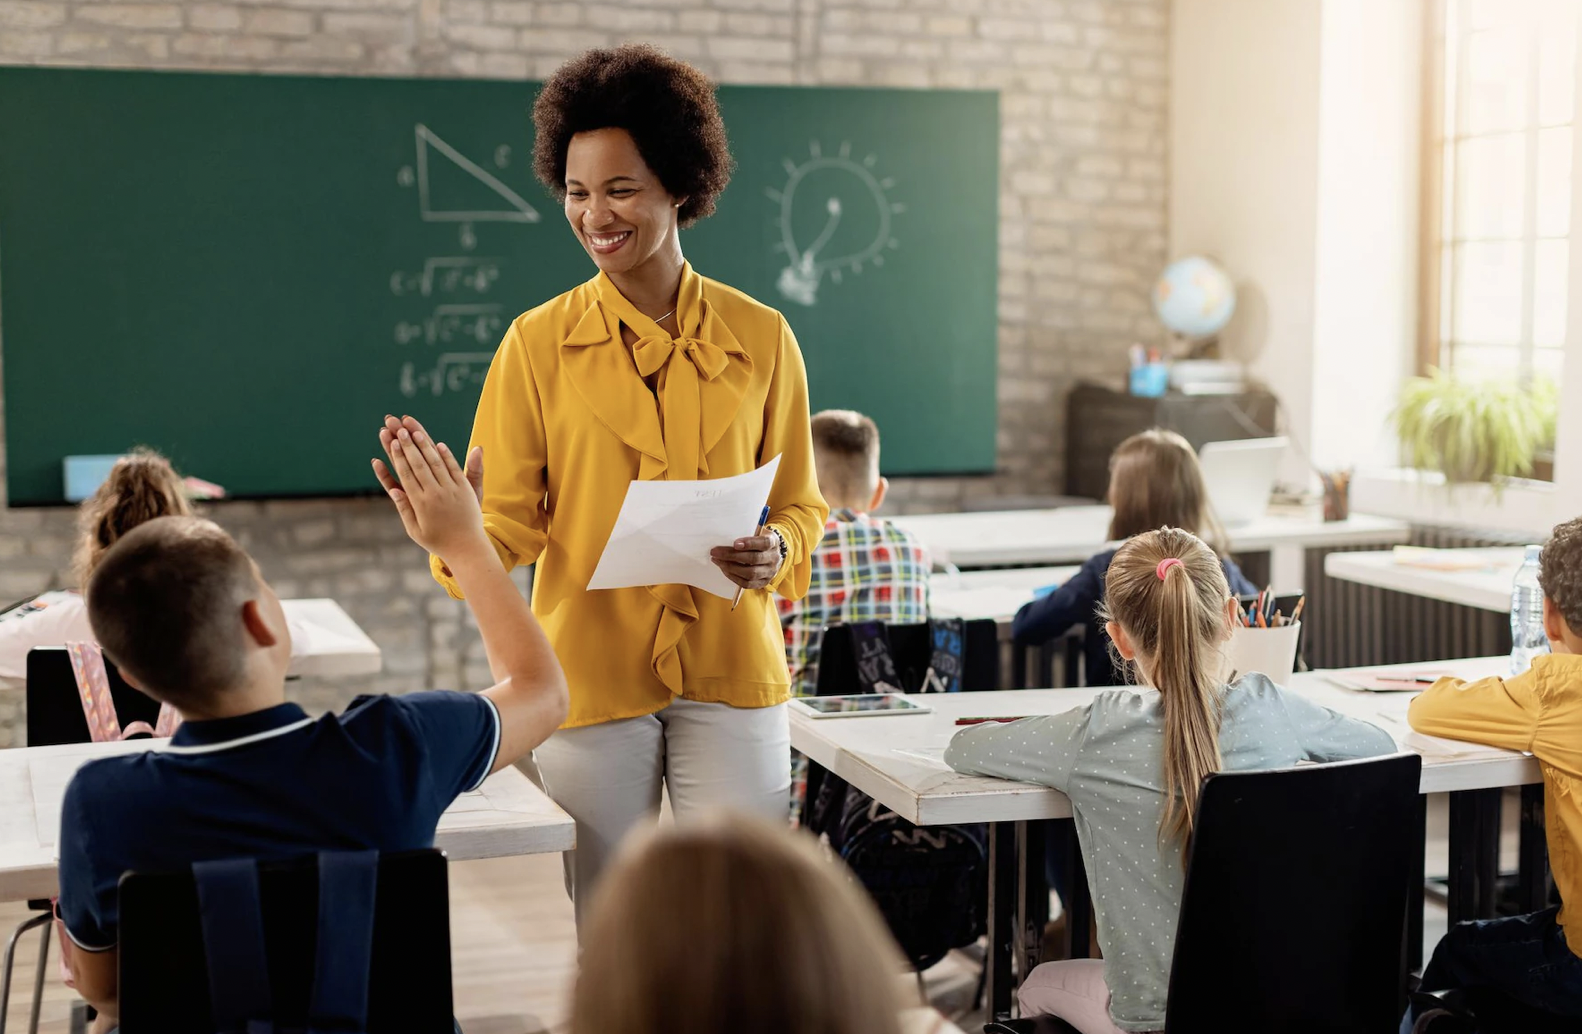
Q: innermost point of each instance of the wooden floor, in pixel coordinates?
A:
(513, 948)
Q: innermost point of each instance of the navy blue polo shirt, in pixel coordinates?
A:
(273, 784)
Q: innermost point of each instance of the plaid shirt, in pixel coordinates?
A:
(863, 570)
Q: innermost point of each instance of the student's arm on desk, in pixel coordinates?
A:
(1056, 614)
(1498, 712)
(1326, 735)
(1034, 750)
(440, 513)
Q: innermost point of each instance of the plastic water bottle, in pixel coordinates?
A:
(1527, 614)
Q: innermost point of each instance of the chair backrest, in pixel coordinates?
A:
(912, 648)
(54, 709)
(1295, 900)
(164, 976)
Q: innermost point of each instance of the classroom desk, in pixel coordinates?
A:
(898, 761)
(1486, 588)
(507, 816)
(1071, 534)
(996, 593)
(333, 644)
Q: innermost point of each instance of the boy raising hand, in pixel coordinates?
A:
(187, 617)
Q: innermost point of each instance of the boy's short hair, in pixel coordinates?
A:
(164, 603)
(846, 454)
(1560, 572)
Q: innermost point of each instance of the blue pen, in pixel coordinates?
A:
(763, 518)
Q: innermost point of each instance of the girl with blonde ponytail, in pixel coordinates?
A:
(1132, 762)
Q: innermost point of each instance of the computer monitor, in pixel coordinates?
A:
(1240, 476)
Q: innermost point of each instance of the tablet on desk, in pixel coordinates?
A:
(860, 705)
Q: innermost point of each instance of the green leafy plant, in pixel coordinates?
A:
(1474, 431)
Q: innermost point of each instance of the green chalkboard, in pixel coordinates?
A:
(248, 272)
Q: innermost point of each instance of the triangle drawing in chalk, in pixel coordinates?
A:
(452, 188)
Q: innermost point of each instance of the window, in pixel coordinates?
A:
(1499, 215)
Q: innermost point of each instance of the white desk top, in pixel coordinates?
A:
(325, 641)
(997, 593)
(1486, 588)
(897, 758)
(1072, 534)
(507, 816)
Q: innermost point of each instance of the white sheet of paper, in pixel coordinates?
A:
(666, 529)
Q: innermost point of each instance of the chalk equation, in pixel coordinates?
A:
(482, 324)
(448, 274)
(451, 372)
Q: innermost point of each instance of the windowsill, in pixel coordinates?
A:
(1421, 497)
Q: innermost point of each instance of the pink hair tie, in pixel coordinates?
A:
(1165, 565)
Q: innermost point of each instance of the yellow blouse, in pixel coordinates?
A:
(567, 421)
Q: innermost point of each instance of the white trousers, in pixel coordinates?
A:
(608, 776)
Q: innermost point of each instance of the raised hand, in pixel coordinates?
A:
(473, 466)
(435, 498)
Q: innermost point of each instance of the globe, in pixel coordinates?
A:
(1194, 297)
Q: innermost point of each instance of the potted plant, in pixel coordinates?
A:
(1472, 432)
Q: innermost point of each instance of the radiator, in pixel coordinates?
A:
(1349, 624)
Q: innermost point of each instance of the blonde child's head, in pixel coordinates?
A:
(846, 457)
(1560, 574)
(1156, 482)
(141, 486)
(734, 925)
(1167, 608)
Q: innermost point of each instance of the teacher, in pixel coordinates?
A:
(647, 371)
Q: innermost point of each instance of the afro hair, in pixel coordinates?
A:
(666, 105)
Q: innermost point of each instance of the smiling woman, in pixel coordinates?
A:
(647, 371)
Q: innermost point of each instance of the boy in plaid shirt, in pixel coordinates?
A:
(865, 569)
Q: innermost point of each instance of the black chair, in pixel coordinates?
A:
(164, 973)
(912, 650)
(54, 709)
(1294, 904)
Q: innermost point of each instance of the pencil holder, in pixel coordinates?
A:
(1271, 651)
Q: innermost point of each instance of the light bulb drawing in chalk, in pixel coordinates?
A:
(452, 188)
(835, 219)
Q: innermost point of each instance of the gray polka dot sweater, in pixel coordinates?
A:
(1108, 758)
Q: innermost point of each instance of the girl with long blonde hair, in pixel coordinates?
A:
(1132, 762)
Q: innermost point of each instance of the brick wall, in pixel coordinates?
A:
(1083, 102)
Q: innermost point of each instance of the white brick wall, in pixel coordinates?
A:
(1083, 86)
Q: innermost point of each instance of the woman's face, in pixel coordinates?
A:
(615, 204)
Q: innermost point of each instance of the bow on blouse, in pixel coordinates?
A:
(706, 373)
(687, 363)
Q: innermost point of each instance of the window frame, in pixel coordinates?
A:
(1438, 253)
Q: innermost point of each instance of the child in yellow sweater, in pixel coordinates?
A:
(1532, 958)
